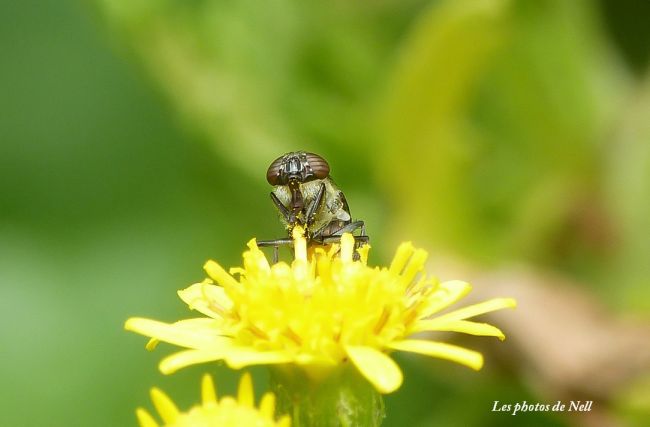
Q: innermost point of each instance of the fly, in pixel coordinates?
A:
(305, 195)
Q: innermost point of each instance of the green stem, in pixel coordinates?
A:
(342, 398)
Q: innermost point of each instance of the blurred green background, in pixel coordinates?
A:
(135, 135)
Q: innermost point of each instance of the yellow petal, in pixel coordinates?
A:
(402, 255)
(255, 260)
(152, 344)
(333, 250)
(414, 266)
(208, 391)
(201, 325)
(145, 419)
(245, 394)
(445, 295)
(363, 253)
(285, 421)
(238, 270)
(347, 247)
(470, 358)
(238, 358)
(267, 405)
(174, 334)
(299, 244)
(210, 300)
(376, 367)
(176, 361)
(219, 275)
(463, 326)
(480, 308)
(164, 405)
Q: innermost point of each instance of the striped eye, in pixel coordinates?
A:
(274, 171)
(299, 166)
(319, 166)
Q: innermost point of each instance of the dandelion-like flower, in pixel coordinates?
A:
(213, 412)
(321, 311)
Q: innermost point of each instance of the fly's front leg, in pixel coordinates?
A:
(286, 214)
(315, 204)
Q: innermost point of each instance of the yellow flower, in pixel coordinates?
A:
(226, 412)
(321, 311)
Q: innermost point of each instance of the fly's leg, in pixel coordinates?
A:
(359, 240)
(281, 208)
(315, 204)
(275, 243)
(351, 228)
(348, 228)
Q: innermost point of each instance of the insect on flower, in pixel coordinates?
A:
(306, 196)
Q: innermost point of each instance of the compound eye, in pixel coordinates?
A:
(319, 166)
(273, 173)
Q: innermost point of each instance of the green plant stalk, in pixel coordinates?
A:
(342, 398)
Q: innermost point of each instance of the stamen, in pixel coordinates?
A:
(289, 333)
(258, 332)
(382, 321)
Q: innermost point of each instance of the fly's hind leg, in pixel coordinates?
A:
(359, 240)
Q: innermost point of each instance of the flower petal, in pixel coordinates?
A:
(470, 358)
(219, 275)
(463, 326)
(267, 405)
(402, 255)
(480, 308)
(181, 359)
(299, 243)
(145, 419)
(255, 260)
(376, 367)
(245, 394)
(445, 295)
(414, 266)
(347, 247)
(164, 405)
(238, 357)
(152, 344)
(208, 391)
(179, 333)
(204, 325)
(208, 299)
(363, 253)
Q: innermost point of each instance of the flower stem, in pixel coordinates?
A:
(342, 398)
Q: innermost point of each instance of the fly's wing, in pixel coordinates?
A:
(345, 209)
(335, 212)
(337, 204)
